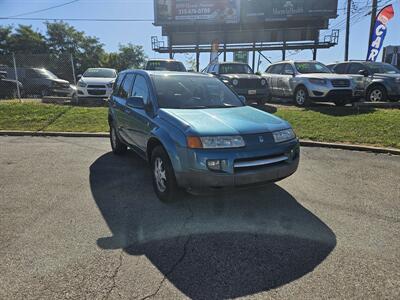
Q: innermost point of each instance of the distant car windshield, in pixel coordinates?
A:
(100, 73)
(311, 67)
(165, 66)
(193, 92)
(235, 69)
(46, 73)
(383, 68)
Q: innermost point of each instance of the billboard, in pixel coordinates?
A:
(265, 11)
(175, 12)
(199, 11)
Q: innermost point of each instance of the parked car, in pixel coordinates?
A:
(165, 65)
(197, 133)
(96, 83)
(376, 81)
(8, 87)
(307, 81)
(241, 78)
(40, 82)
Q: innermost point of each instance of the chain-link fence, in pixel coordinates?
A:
(37, 75)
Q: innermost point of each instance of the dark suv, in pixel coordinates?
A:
(41, 82)
(375, 81)
(241, 78)
(165, 65)
(8, 87)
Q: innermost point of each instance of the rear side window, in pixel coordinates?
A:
(126, 87)
(355, 68)
(340, 68)
(117, 84)
(140, 88)
(275, 69)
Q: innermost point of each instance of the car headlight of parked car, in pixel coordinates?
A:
(318, 81)
(215, 142)
(82, 84)
(110, 85)
(284, 135)
(235, 82)
(263, 82)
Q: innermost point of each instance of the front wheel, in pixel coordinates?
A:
(117, 146)
(164, 181)
(301, 98)
(377, 94)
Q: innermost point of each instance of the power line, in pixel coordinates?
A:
(77, 19)
(40, 10)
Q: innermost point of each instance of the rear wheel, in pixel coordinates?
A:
(164, 181)
(117, 146)
(301, 97)
(377, 94)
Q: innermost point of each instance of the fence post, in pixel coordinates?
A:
(16, 77)
(73, 68)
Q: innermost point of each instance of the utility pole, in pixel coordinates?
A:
(346, 52)
(373, 17)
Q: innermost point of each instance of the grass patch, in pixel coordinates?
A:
(379, 127)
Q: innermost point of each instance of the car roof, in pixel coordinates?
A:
(164, 59)
(169, 73)
(100, 69)
(230, 63)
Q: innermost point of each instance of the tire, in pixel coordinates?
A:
(377, 94)
(300, 97)
(117, 146)
(164, 181)
(261, 102)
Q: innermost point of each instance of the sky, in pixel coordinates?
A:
(111, 34)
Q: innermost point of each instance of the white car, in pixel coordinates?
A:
(96, 83)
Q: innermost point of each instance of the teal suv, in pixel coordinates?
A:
(197, 133)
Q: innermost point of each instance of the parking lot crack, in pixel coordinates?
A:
(114, 276)
(181, 258)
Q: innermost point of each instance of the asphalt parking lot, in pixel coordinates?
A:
(77, 222)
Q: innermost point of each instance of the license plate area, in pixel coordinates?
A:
(252, 92)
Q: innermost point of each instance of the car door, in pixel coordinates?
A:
(119, 98)
(277, 80)
(285, 80)
(138, 121)
(354, 71)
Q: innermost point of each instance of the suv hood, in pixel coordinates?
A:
(385, 75)
(96, 80)
(241, 76)
(223, 121)
(62, 81)
(324, 76)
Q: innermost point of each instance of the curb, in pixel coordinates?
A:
(305, 143)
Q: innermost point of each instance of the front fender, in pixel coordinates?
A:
(174, 142)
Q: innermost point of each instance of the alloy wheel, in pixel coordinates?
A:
(160, 175)
(300, 97)
(376, 95)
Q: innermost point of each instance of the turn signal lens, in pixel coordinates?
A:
(194, 142)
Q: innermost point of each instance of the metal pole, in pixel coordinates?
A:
(197, 59)
(254, 55)
(224, 52)
(346, 51)
(73, 68)
(16, 77)
(373, 18)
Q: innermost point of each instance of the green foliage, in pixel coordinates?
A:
(129, 57)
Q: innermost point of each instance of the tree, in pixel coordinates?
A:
(26, 40)
(128, 57)
(5, 34)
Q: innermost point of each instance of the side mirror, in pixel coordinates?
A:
(213, 73)
(135, 102)
(364, 73)
(243, 99)
(79, 76)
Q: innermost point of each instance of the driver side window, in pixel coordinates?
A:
(140, 88)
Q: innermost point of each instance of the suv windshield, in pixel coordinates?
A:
(235, 69)
(191, 92)
(46, 74)
(100, 73)
(165, 66)
(383, 68)
(311, 67)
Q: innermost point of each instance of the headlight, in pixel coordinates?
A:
(235, 82)
(284, 135)
(263, 82)
(110, 84)
(215, 142)
(318, 81)
(82, 84)
(397, 80)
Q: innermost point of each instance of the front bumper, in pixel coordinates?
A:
(252, 93)
(62, 92)
(332, 95)
(94, 92)
(200, 177)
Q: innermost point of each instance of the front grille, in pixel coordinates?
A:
(253, 163)
(340, 83)
(250, 84)
(340, 94)
(96, 86)
(96, 92)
